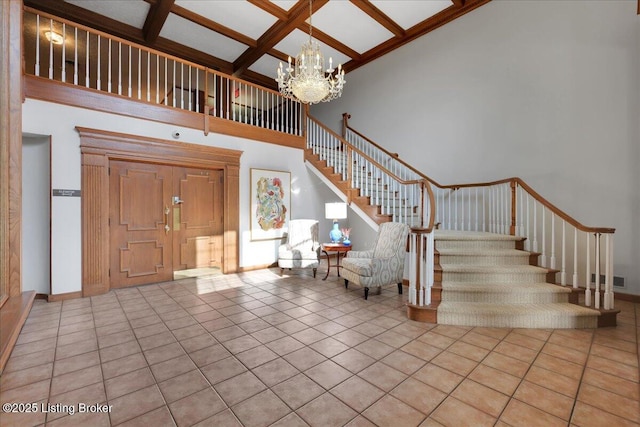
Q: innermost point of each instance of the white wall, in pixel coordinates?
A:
(59, 121)
(36, 201)
(545, 90)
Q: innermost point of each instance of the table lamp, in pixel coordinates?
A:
(335, 211)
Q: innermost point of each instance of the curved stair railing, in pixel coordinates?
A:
(582, 255)
(383, 194)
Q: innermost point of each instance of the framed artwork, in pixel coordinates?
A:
(270, 203)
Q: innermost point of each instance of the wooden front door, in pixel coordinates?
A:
(139, 212)
(197, 218)
(163, 219)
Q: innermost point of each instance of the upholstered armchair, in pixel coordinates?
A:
(382, 265)
(302, 249)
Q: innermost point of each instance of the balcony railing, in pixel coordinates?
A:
(94, 60)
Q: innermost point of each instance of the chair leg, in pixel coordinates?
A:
(400, 288)
(314, 272)
(366, 293)
(346, 283)
(281, 271)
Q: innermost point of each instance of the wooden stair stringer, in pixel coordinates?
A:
(352, 195)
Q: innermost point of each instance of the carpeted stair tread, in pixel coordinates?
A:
(486, 281)
(542, 315)
(473, 235)
(505, 287)
(500, 269)
(516, 309)
(483, 252)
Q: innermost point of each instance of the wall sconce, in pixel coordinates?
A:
(53, 37)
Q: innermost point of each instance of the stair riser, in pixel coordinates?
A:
(485, 259)
(509, 321)
(505, 297)
(475, 244)
(493, 277)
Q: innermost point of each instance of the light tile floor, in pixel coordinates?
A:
(257, 349)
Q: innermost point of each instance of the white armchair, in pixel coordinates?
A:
(382, 265)
(302, 249)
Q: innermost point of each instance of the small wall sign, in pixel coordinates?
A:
(65, 193)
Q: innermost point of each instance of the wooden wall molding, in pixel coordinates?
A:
(14, 304)
(99, 147)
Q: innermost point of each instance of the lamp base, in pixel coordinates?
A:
(335, 234)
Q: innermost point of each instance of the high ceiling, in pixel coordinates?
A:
(249, 38)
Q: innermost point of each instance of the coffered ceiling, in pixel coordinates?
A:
(249, 38)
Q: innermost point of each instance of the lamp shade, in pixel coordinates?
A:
(335, 210)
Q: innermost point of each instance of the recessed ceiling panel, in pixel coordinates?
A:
(200, 38)
(131, 12)
(409, 13)
(291, 44)
(345, 22)
(266, 65)
(240, 16)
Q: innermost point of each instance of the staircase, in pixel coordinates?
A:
(487, 281)
(487, 254)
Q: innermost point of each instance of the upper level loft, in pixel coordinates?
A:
(71, 64)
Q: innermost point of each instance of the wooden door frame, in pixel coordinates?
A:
(99, 147)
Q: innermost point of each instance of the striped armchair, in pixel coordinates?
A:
(302, 249)
(382, 265)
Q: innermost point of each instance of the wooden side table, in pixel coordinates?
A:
(340, 250)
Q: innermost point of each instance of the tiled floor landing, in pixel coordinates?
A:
(255, 349)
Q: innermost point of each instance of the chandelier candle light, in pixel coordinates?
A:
(307, 82)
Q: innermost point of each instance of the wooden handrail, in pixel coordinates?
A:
(363, 154)
(146, 49)
(516, 180)
(423, 182)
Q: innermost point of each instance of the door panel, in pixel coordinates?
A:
(141, 247)
(198, 218)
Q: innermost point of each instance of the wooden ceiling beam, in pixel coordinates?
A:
(382, 19)
(157, 16)
(214, 26)
(330, 41)
(458, 3)
(271, 8)
(278, 31)
(418, 30)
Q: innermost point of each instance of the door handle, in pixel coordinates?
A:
(166, 219)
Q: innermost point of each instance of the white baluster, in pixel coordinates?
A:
(129, 92)
(553, 241)
(535, 227)
(608, 295)
(36, 68)
(120, 68)
(87, 83)
(575, 258)
(587, 292)
(75, 59)
(51, 50)
(148, 76)
(63, 66)
(596, 296)
(140, 74)
(544, 234)
(563, 272)
(98, 68)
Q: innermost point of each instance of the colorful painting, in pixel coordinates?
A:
(270, 203)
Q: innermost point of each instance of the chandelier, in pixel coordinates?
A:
(308, 81)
